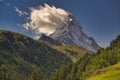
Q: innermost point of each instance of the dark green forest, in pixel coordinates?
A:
(22, 58)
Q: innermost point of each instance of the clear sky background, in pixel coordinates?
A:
(100, 19)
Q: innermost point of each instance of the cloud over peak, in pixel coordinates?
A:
(46, 19)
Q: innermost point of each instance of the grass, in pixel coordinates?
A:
(74, 52)
(109, 73)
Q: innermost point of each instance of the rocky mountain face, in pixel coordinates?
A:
(49, 41)
(71, 34)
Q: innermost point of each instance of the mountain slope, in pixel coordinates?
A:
(109, 73)
(71, 34)
(48, 40)
(90, 63)
(74, 52)
(22, 54)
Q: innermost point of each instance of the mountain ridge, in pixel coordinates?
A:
(71, 34)
(49, 41)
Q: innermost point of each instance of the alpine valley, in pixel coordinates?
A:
(62, 51)
(22, 58)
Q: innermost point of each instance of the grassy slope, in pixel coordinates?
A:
(74, 52)
(109, 73)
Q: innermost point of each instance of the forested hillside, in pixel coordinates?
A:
(21, 56)
(90, 63)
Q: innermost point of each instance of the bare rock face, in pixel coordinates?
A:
(71, 34)
(48, 40)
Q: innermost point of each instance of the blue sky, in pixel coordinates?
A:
(100, 19)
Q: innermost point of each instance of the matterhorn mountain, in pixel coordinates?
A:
(71, 34)
(59, 25)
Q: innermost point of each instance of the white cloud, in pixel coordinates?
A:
(21, 13)
(46, 19)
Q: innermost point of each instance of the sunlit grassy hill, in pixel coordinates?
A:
(109, 73)
(74, 52)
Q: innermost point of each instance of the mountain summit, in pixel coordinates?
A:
(59, 25)
(71, 34)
